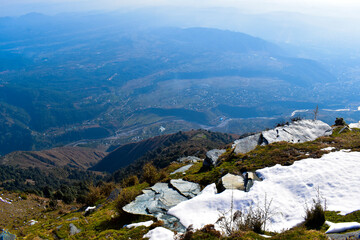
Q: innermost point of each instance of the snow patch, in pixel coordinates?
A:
(341, 227)
(354, 125)
(328, 149)
(3, 200)
(146, 224)
(289, 187)
(160, 233)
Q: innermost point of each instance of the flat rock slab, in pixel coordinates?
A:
(182, 169)
(345, 236)
(168, 196)
(185, 188)
(190, 159)
(142, 203)
(295, 132)
(158, 199)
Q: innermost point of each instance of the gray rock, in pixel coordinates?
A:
(141, 203)
(212, 157)
(296, 132)
(344, 236)
(185, 188)
(158, 199)
(168, 196)
(72, 219)
(247, 144)
(189, 159)
(231, 181)
(182, 169)
(73, 229)
(114, 194)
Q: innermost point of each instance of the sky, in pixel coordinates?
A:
(348, 8)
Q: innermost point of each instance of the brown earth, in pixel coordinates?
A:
(76, 157)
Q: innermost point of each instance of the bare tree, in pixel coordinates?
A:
(316, 112)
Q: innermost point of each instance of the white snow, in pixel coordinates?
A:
(90, 208)
(289, 188)
(32, 222)
(160, 233)
(146, 224)
(1, 199)
(341, 227)
(328, 149)
(354, 125)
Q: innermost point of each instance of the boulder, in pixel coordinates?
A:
(212, 157)
(185, 188)
(73, 229)
(247, 144)
(114, 194)
(296, 132)
(231, 181)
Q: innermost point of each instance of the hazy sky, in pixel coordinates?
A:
(349, 8)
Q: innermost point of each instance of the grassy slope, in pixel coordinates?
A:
(104, 223)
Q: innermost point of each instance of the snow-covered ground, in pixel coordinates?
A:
(146, 224)
(341, 227)
(289, 187)
(354, 125)
(160, 233)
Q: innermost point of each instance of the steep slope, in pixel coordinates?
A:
(74, 157)
(162, 150)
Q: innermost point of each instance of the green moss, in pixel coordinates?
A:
(336, 217)
(300, 234)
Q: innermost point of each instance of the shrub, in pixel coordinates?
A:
(340, 122)
(315, 216)
(106, 189)
(130, 181)
(53, 204)
(252, 220)
(93, 196)
(149, 174)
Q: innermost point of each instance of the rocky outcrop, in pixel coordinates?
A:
(231, 181)
(212, 157)
(247, 144)
(189, 159)
(158, 199)
(296, 132)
